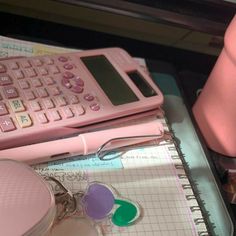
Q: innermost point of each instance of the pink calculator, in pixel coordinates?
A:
(47, 97)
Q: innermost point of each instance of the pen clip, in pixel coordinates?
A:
(103, 150)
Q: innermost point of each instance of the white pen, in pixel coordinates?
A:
(83, 144)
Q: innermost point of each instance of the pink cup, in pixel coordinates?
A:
(215, 108)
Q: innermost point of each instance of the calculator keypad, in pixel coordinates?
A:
(42, 91)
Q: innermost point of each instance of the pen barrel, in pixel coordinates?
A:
(93, 141)
(83, 144)
(41, 152)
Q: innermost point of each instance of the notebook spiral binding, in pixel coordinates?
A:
(189, 186)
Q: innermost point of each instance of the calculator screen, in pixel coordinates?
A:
(108, 78)
(142, 84)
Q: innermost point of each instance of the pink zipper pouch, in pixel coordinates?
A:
(27, 204)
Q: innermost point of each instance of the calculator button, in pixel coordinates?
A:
(43, 71)
(31, 72)
(13, 65)
(73, 99)
(3, 68)
(60, 101)
(95, 107)
(24, 84)
(54, 69)
(10, 92)
(37, 62)
(6, 124)
(42, 92)
(68, 66)
(5, 80)
(48, 61)
(29, 95)
(16, 105)
(54, 90)
(62, 59)
(88, 97)
(77, 89)
(54, 115)
(80, 110)
(79, 81)
(19, 74)
(26, 64)
(42, 118)
(3, 109)
(67, 112)
(24, 120)
(68, 75)
(48, 103)
(48, 80)
(36, 82)
(35, 106)
(66, 83)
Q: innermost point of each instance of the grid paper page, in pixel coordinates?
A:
(153, 177)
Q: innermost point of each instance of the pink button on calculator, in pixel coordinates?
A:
(47, 97)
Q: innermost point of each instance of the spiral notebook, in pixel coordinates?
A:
(154, 176)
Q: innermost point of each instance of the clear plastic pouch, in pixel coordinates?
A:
(27, 203)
